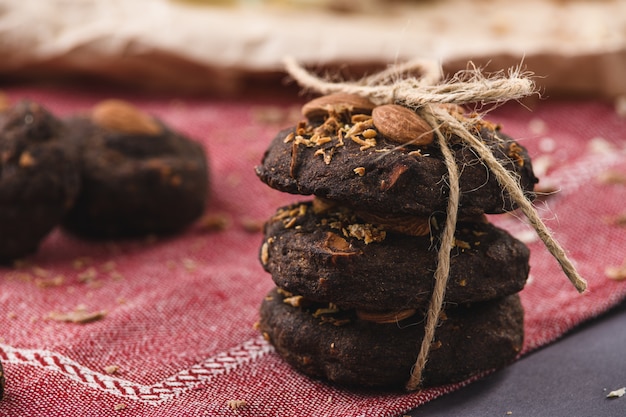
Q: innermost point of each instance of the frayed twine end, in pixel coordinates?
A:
(397, 84)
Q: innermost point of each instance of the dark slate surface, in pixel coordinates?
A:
(571, 377)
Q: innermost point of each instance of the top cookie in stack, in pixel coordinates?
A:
(383, 159)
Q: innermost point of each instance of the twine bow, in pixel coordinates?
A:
(424, 94)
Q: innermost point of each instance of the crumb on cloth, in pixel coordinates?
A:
(236, 404)
(617, 273)
(120, 406)
(612, 176)
(111, 369)
(214, 222)
(79, 315)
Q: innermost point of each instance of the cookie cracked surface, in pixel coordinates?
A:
(359, 166)
(470, 339)
(324, 257)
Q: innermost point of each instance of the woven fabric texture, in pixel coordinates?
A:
(177, 337)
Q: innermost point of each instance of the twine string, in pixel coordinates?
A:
(442, 272)
(423, 94)
(510, 184)
(466, 87)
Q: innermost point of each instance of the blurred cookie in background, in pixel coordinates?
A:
(39, 178)
(139, 176)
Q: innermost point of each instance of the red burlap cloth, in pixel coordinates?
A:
(180, 311)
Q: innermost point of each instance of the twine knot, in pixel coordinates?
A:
(425, 94)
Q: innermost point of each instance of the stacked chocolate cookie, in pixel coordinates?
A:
(354, 267)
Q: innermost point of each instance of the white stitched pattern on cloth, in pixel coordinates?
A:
(220, 364)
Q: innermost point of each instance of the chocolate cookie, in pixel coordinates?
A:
(139, 176)
(361, 167)
(339, 347)
(2, 381)
(336, 255)
(39, 177)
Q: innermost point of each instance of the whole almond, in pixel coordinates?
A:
(122, 116)
(338, 103)
(402, 125)
(5, 103)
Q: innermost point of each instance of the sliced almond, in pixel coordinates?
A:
(402, 125)
(336, 243)
(294, 301)
(336, 103)
(617, 273)
(265, 253)
(322, 205)
(394, 176)
(122, 116)
(386, 316)
(408, 225)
